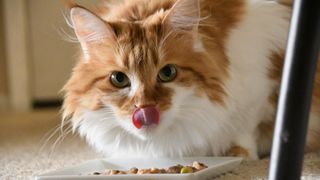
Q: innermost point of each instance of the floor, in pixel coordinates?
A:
(26, 149)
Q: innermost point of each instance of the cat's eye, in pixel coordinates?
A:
(167, 73)
(119, 79)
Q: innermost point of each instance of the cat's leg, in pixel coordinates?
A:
(238, 151)
(264, 137)
(245, 146)
(313, 142)
(313, 136)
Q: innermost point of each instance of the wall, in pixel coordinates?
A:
(3, 76)
(35, 59)
(52, 56)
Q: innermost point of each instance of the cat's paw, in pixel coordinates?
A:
(238, 151)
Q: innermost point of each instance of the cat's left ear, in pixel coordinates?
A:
(89, 28)
(184, 15)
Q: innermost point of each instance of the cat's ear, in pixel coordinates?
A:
(89, 28)
(184, 15)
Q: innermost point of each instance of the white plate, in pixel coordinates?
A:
(216, 166)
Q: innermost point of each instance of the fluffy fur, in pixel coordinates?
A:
(228, 55)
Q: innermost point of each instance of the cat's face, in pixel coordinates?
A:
(151, 63)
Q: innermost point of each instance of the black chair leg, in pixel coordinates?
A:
(296, 91)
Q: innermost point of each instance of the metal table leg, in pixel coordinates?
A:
(296, 90)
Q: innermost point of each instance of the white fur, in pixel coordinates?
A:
(194, 125)
(262, 32)
(134, 85)
(183, 130)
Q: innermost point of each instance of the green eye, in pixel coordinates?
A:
(119, 80)
(168, 73)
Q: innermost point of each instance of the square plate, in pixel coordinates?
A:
(216, 166)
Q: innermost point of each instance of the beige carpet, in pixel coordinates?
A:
(21, 156)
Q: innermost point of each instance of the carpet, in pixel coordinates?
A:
(24, 151)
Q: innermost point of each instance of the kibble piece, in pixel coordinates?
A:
(106, 172)
(114, 172)
(193, 169)
(144, 171)
(122, 172)
(174, 169)
(198, 166)
(154, 171)
(133, 170)
(163, 171)
(186, 169)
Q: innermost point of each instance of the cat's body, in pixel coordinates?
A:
(223, 97)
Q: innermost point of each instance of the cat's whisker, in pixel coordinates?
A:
(53, 132)
(121, 48)
(204, 18)
(65, 121)
(67, 36)
(59, 140)
(47, 137)
(162, 43)
(166, 37)
(92, 37)
(206, 25)
(67, 18)
(206, 37)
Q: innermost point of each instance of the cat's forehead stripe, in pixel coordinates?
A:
(140, 48)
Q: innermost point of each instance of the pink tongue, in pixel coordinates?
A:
(145, 116)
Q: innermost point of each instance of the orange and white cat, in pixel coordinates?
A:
(180, 77)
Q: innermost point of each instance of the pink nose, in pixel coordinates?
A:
(145, 116)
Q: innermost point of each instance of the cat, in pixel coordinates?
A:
(166, 78)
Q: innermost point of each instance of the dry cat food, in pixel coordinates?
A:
(177, 169)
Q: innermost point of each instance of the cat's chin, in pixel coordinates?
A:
(150, 132)
(147, 133)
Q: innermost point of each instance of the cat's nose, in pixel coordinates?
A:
(145, 116)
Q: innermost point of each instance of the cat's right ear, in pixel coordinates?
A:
(184, 15)
(89, 28)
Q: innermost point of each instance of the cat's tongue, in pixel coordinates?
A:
(145, 116)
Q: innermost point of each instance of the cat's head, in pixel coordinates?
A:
(143, 58)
